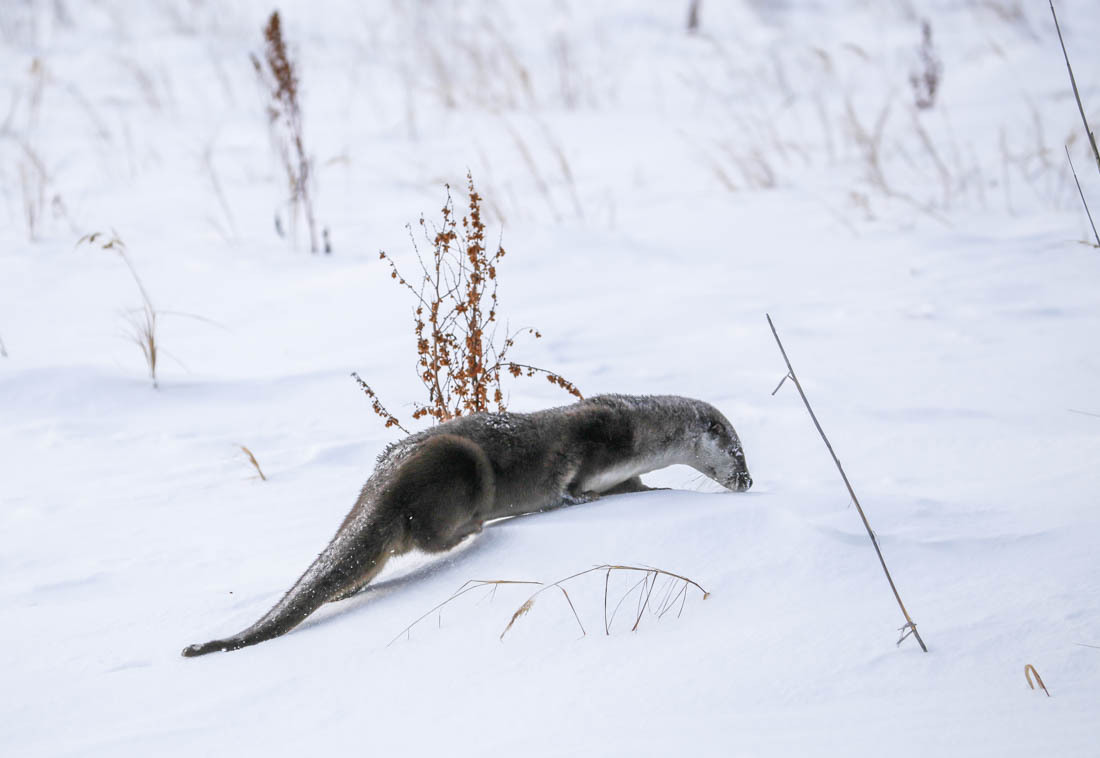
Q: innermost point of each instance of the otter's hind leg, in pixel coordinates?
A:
(440, 495)
(444, 492)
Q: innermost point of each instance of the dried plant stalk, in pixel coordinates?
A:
(666, 599)
(910, 627)
(279, 77)
(376, 405)
(926, 81)
(1076, 93)
(33, 180)
(1082, 194)
(143, 323)
(648, 583)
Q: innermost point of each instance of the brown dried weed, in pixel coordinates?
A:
(461, 357)
(278, 76)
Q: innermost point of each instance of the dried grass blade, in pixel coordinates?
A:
(1028, 671)
(255, 463)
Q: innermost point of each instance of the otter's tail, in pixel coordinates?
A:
(352, 558)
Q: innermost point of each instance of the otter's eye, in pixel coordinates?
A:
(715, 428)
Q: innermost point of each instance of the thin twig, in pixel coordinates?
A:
(781, 382)
(681, 594)
(1076, 94)
(683, 602)
(376, 404)
(606, 582)
(910, 625)
(628, 593)
(573, 608)
(663, 605)
(1082, 194)
(648, 594)
(215, 183)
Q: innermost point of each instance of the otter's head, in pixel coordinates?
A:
(719, 454)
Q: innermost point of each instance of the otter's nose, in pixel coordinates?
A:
(744, 482)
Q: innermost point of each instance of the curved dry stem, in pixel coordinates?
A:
(1028, 671)
(468, 586)
(648, 583)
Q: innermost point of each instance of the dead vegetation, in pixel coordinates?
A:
(33, 181)
(1084, 202)
(693, 15)
(925, 81)
(1076, 93)
(655, 593)
(253, 461)
(143, 321)
(470, 56)
(278, 75)
(1028, 671)
(910, 626)
(463, 353)
(1084, 122)
(815, 108)
(21, 128)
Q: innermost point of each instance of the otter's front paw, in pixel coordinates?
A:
(584, 497)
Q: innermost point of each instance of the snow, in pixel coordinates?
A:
(657, 194)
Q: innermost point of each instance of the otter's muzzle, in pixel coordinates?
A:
(741, 482)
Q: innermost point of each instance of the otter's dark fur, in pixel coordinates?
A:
(435, 488)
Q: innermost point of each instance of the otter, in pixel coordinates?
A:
(434, 488)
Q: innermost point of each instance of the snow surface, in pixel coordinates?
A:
(658, 192)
